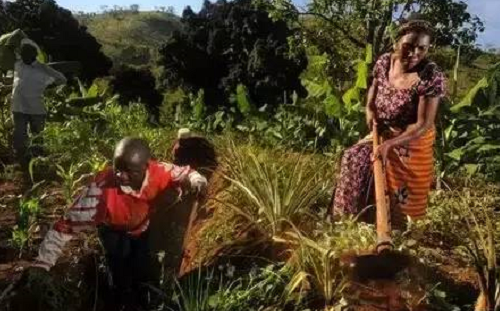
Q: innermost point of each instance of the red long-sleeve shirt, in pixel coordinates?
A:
(104, 202)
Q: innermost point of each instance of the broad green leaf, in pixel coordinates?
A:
(471, 169)
(369, 54)
(93, 91)
(333, 106)
(449, 131)
(456, 154)
(489, 147)
(351, 95)
(317, 89)
(362, 75)
(469, 98)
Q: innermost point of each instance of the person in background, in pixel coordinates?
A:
(118, 201)
(31, 78)
(196, 151)
(402, 104)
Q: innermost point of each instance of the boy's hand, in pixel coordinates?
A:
(199, 186)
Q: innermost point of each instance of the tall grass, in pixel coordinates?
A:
(194, 293)
(214, 290)
(467, 223)
(318, 261)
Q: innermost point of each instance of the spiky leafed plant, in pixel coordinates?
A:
(318, 260)
(275, 191)
(482, 248)
(194, 293)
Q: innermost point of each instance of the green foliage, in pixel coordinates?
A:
(6, 124)
(318, 259)
(194, 293)
(344, 115)
(262, 288)
(471, 134)
(465, 221)
(173, 102)
(28, 211)
(71, 179)
(259, 57)
(199, 105)
(66, 103)
(242, 100)
(361, 22)
(216, 290)
(274, 195)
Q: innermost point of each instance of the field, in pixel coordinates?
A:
(266, 239)
(265, 235)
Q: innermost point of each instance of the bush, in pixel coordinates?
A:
(137, 84)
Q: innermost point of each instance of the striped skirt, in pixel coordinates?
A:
(409, 174)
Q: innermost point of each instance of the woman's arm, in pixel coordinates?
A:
(427, 111)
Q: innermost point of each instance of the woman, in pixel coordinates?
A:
(402, 103)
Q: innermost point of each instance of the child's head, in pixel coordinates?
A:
(28, 52)
(195, 151)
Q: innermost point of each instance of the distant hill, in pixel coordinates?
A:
(129, 36)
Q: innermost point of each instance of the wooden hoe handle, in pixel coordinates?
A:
(383, 211)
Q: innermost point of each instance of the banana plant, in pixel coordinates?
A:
(67, 102)
(468, 128)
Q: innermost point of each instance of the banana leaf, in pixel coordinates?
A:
(8, 43)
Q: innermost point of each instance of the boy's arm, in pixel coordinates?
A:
(80, 217)
(186, 177)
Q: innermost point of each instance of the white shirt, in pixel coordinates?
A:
(30, 81)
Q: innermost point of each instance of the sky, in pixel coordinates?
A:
(488, 10)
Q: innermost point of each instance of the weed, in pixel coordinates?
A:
(28, 211)
(70, 181)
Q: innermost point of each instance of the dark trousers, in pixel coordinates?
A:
(36, 123)
(128, 260)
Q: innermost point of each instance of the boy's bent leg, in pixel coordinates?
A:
(117, 251)
(141, 264)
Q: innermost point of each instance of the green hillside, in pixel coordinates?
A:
(131, 37)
